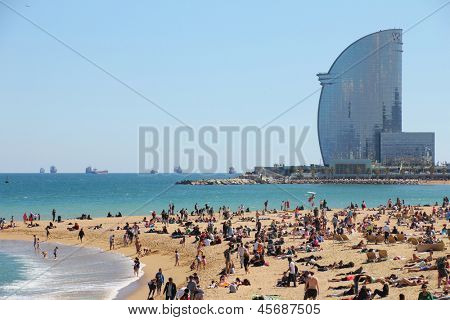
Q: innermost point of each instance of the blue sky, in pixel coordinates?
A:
(206, 62)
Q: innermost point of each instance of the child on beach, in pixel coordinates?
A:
(177, 258)
(152, 289)
(112, 244)
(81, 235)
(203, 262)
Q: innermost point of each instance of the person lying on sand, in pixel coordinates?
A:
(360, 245)
(357, 271)
(415, 258)
(349, 292)
(407, 282)
(338, 265)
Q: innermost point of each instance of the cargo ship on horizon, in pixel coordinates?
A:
(89, 170)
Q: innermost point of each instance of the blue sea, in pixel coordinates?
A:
(134, 194)
(78, 272)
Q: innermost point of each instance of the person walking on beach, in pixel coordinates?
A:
(227, 256)
(55, 253)
(265, 205)
(136, 266)
(53, 215)
(292, 272)
(441, 266)
(38, 245)
(112, 242)
(151, 289)
(191, 286)
(311, 287)
(81, 235)
(159, 281)
(34, 242)
(246, 260)
(240, 252)
(138, 245)
(47, 232)
(170, 290)
(177, 258)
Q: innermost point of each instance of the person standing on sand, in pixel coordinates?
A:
(311, 287)
(112, 242)
(136, 266)
(227, 255)
(138, 245)
(240, 252)
(81, 235)
(177, 258)
(442, 265)
(159, 281)
(34, 242)
(53, 215)
(170, 290)
(265, 205)
(191, 286)
(47, 232)
(246, 259)
(292, 272)
(55, 253)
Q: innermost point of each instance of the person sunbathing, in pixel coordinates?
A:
(417, 267)
(408, 282)
(360, 245)
(415, 258)
(349, 292)
(335, 265)
(442, 295)
(357, 271)
(346, 278)
(308, 259)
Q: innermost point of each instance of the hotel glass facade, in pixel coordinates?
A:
(361, 97)
(409, 148)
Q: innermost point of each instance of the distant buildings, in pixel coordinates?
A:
(360, 108)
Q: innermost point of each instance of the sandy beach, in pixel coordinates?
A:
(263, 279)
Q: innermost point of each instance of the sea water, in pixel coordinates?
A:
(134, 194)
(77, 273)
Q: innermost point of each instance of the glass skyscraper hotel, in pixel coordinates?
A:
(361, 98)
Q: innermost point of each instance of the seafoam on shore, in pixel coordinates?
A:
(77, 273)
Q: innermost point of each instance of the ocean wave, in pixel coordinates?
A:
(78, 273)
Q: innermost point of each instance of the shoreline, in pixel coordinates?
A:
(117, 293)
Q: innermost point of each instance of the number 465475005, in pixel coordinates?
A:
(289, 308)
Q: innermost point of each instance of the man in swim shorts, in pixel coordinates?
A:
(311, 287)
